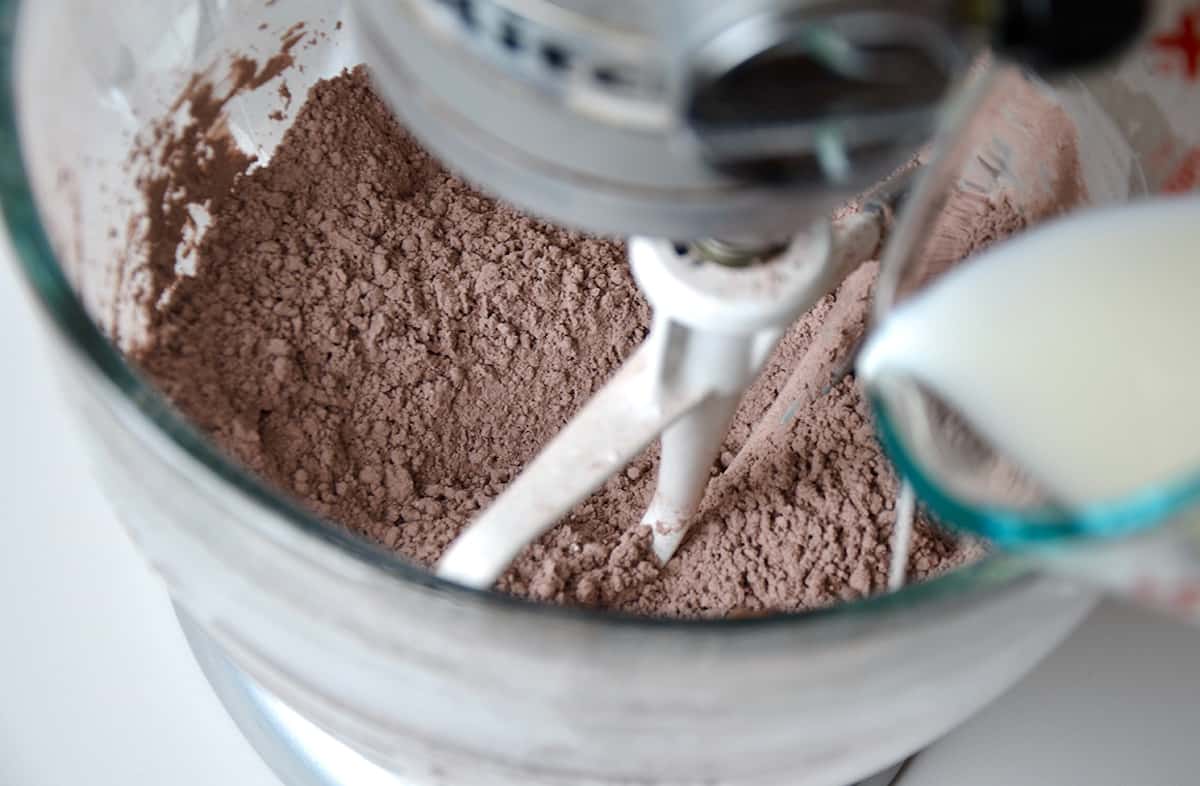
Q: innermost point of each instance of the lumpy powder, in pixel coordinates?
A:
(389, 346)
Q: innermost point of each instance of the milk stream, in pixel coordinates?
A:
(1074, 349)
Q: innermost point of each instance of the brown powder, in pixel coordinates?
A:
(389, 346)
(1025, 170)
(379, 339)
(194, 165)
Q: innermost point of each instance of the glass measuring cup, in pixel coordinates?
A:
(1145, 544)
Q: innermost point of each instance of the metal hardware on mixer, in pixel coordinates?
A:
(819, 91)
(733, 254)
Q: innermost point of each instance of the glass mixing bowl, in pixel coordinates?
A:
(431, 680)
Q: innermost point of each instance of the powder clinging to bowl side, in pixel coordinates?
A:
(389, 346)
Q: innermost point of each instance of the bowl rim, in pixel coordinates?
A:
(74, 327)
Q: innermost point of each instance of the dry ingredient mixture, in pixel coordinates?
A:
(388, 345)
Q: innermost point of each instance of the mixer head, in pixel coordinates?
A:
(739, 119)
(672, 118)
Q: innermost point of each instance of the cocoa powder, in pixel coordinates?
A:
(389, 346)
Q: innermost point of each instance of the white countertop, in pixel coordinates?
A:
(97, 686)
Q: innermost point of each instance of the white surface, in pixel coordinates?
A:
(97, 688)
(1117, 705)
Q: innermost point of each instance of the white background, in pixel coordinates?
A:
(97, 686)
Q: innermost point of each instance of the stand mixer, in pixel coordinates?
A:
(431, 680)
(718, 136)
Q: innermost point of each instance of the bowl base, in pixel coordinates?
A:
(300, 753)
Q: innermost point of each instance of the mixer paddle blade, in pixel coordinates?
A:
(617, 423)
(714, 327)
(690, 445)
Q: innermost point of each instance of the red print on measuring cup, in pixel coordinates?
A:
(1183, 40)
(1186, 174)
(1180, 597)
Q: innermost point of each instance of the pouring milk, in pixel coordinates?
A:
(1075, 350)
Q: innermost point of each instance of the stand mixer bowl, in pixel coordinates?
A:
(435, 682)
